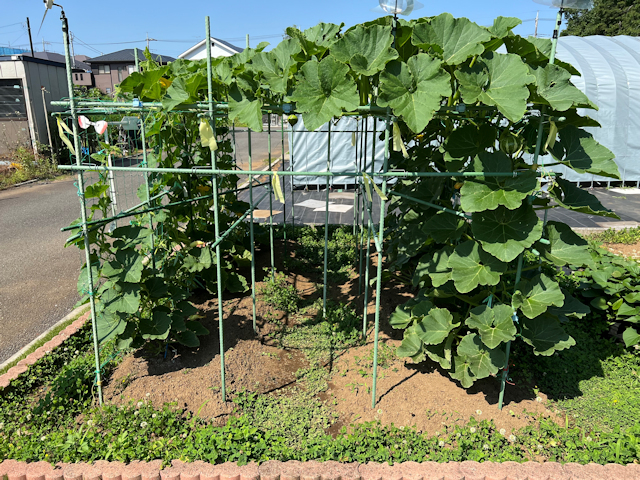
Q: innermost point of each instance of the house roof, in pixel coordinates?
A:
(216, 41)
(127, 56)
(56, 57)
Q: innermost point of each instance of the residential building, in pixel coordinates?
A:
(81, 71)
(111, 69)
(219, 48)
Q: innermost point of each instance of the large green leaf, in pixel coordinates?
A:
(567, 195)
(109, 325)
(494, 324)
(572, 307)
(436, 265)
(535, 51)
(503, 25)
(276, 65)
(500, 80)
(555, 87)
(482, 361)
(631, 337)
(83, 279)
(545, 335)
(366, 49)
(183, 90)
(472, 266)
(131, 262)
(124, 298)
(456, 39)
(441, 352)
(157, 327)
(401, 317)
(477, 195)
(315, 41)
(188, 339)
(411, 344)
(157, 287)
(245, 108)
(414, 89)
(578, 150)
(435, 327)
(566, 247)
(534, 296)
(462, 371)
(469, 140)
(506, 233)
(444, 226)
(324, 89)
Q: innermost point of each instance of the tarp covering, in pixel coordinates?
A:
(610, 68)
(309, 150)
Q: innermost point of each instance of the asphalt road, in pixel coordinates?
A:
(38, 276)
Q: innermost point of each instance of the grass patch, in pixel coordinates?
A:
(627, 236)
(51, 334)
(25, 166)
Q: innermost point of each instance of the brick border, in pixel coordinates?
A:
(294, 470)
(23, 365)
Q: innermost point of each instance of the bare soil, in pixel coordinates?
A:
(419, 395)
(624, 250)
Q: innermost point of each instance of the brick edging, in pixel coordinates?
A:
(23, 365)
(294, 470)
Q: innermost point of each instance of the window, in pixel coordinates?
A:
(120, 69)
(131, 69)
(104, 69)
(81, 79)
(108, 90)
(76, 77)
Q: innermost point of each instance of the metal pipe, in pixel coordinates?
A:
(215, 211)
(87, 245)
(112, 184)
(326, 224)
(273, 261)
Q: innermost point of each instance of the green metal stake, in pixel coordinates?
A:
(379, 277)
(251, 231)
(148, 188)
(293, 200)
(273, 260)
(83, 211)
(284, 192)
(215, 212)
(357, 165)
(505, 370)
(326, 225)
(369, 228)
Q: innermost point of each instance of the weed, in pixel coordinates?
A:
(628, 236)
(279, 293)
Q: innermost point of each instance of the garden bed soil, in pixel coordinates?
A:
(420, 395)
(628, 251)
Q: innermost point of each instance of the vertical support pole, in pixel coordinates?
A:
(112, 184)
(273, 260)
(251, 228)
(505, 370)
(362, 166)
(354, 136)
(148, 188)
(380, 242)
(83, 211)
(369, 225)
(326, 224)
(293, 200)
(284, 192)
(215, 211)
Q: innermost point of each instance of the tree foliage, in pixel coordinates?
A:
(608, 18)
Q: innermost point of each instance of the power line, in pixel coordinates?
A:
(12, 24)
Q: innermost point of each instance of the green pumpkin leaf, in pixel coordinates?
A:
(507, 77)
(444, 226)
(324, 89)
(83, 279)
(414, 89)
(110, 325)
(401, 317)
(482, 361)
(96, 190)
(472, 266)
(436, 266)
(503, 25)
(469, 140)
(494, 324)
(535, 51)
(411, 344)
(578, 150)
(631, 337)
(435, 327)
(156, 287)
(125, 299)
(462, 371)
(236, 283)
(566, 247)
(477, 195)
(534, 296)
(197, 328)
(572, 307)
(569, 196)
(555, 87)
(441, 352)
(157, 327)
(366, 49)
(506, 233)
(545, 335)
(456, 39)
(626, 310)
(316, 40)
(245, 108)
(188, 339)
(131, 262)
(276, 66)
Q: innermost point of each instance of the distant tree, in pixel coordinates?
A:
(608, 17)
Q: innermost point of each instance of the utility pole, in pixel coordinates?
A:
(43, 49)
(73, 53)
(150, 40)
(535, 34)
(30, 39)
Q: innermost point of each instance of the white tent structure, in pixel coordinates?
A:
(610, 68)
(308, 150)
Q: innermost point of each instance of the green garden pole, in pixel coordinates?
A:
(357, 165)
(379, 277)
(362, 166)
(369, 229)
(215, 211)
(148, 188)
(326, 224)
(293, 200)
(284, 192)
(83, 211)
(251, 230)
(505, 370)
(273, 261)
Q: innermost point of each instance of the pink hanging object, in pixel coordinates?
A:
(100, 126)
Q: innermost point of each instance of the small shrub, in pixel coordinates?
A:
(279, 293)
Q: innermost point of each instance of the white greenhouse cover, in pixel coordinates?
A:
(309, 150)
(610, 68)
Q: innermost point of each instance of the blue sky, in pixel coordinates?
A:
(177, 25)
